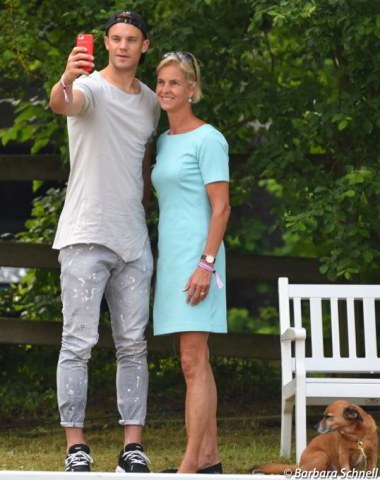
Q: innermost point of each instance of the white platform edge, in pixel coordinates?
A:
(34, 475)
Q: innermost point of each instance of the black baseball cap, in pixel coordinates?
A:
(126, 16)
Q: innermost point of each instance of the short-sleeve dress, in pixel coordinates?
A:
(185, 164)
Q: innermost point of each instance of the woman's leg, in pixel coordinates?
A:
(209, 454)
(200, 404)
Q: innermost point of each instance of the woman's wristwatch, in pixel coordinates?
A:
(208, 258)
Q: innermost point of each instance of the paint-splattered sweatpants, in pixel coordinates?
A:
(87, 272)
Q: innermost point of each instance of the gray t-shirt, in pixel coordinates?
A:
(107, 142)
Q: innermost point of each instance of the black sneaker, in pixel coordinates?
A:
(133, 459)
(78, 459)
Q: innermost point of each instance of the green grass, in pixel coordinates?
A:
(246, 437)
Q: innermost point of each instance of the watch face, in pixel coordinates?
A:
(208, 258)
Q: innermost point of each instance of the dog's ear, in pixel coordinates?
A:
(350, 413)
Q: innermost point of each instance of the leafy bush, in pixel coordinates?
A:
(240, 320)
(27, 387)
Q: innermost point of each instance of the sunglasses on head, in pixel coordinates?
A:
(186, 56)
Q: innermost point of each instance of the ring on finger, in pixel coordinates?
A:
(203, 294)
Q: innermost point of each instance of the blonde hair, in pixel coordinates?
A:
(190, 67)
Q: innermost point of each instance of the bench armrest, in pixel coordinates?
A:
(293, 334)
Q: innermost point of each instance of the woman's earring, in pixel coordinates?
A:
(190, 100)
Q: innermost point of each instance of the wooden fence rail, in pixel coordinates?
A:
(14, 331)
(32, 167)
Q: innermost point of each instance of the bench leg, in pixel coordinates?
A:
(286, 426)
(300, 424)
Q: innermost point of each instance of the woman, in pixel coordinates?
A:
(191, 179)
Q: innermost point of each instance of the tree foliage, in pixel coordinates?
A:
(294, 84)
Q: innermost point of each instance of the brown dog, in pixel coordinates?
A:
(349, 440)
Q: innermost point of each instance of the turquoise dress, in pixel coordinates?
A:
(185, 164)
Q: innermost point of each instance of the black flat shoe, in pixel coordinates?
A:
(217, 468)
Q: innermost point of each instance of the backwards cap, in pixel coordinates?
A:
(129, 17)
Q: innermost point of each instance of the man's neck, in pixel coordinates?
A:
(126, 81)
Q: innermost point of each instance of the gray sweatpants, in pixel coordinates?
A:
(87, 272)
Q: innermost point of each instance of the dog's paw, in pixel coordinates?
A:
(255, 470)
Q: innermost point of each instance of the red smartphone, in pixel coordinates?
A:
(86, 40)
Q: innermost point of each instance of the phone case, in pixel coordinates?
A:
(86, 40)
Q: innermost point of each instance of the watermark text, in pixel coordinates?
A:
(344, 473)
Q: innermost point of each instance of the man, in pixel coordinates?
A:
(102, 234)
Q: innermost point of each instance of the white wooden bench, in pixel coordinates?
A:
(329, 350)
